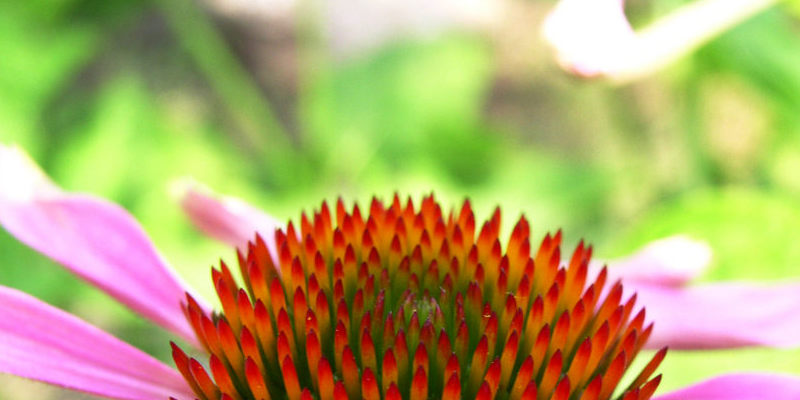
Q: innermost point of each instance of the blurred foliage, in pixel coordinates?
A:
(119, 98)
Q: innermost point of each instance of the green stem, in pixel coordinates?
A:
(314, 65)
(683, 31)
(239, 94)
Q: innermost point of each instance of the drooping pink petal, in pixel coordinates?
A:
(671, 261)
(744, 386)
(97, 240)
(722, 315)
(591, 37)
(227, 219)
(41, 342)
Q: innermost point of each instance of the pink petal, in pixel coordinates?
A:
(722, 315)
(97, 240)
(41, 342)
(591, 37)
(740, 387)
(227, 219)
(672, 261)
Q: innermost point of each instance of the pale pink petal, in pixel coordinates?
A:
(743, 386)
(721, 315)
(22, 180)
(591, 37)
(672, 261)
(227, 219)
(97, 240)
(41, 342)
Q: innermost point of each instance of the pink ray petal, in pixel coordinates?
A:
(722, 315)
(227, 219)
(743, 386)
(97, 240)
(671, 261)
(41, 342)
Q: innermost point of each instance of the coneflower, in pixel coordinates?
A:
(415, 303)
(400, 303)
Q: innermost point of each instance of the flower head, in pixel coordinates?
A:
(402, 303)
(413, 303)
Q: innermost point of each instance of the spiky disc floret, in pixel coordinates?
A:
(410, 304)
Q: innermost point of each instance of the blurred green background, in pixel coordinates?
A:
(120, 98)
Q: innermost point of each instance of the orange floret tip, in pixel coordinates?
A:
(290, 379)
(413, 301)
(220, 374)
(255, 380)
(325, 380)
(369, 385)
(452, 390)
(562, 390)
(484, 392)
(389, 368)
(393, 393)
(419, 385)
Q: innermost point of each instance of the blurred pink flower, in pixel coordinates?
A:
(593, 38)
(104, 245)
